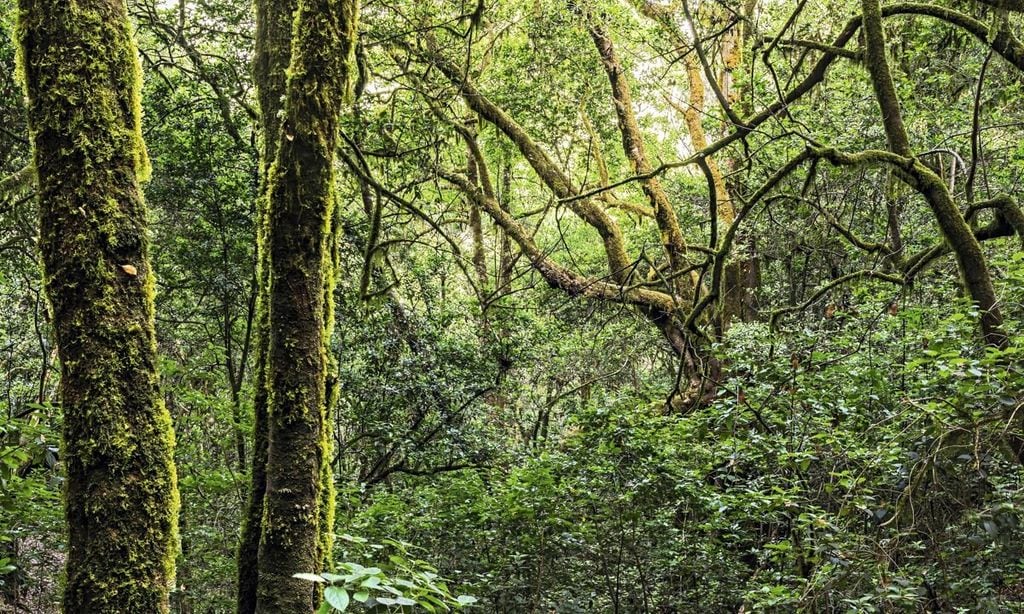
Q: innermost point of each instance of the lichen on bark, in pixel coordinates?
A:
(974, 272)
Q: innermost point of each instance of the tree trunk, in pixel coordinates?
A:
(636, 152)
(82, 78)
(299, 223)
(273, 50)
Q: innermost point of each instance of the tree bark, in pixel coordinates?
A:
(636, 152)
(475, 224)
(299, 232)
(273, 51)
(82, 78)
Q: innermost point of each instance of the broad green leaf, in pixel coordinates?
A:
(337, 597)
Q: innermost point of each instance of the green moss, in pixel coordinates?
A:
(299, 243)
(81, 76)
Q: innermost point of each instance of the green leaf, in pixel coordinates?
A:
(361, 596)
(311, 577)
(337, 597)
(466, 599)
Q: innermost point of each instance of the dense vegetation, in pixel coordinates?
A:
(517, 306)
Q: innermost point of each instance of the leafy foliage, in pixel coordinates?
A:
(398, 585)
(859, 446)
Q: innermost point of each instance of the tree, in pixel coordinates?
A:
(693, 285)
(973, 267)
(82, 78)
(297, 251)
(273, 51)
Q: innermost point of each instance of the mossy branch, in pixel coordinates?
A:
(1002, 41)
(635, 150)
(546, 169)
(17, 181)
(553, 273)
(1009, 220)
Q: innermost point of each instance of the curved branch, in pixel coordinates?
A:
(545, 168)
(1001, 40)
(822, 291)
(1008, 215)
(816, 76)
(1009, 220)
(553, 273)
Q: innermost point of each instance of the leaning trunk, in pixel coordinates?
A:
(977, 279)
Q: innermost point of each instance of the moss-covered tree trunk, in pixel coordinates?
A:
(82, 78)
(298, 238)
(273, 51)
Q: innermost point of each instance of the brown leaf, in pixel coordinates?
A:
(129, 269)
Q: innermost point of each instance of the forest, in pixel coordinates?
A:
(511, 306)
